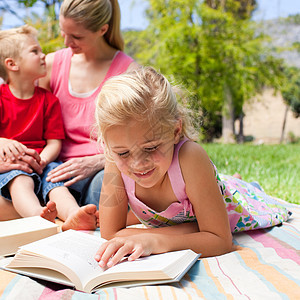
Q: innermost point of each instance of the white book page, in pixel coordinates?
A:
(149, 263)
(21, 225)
(76, 250)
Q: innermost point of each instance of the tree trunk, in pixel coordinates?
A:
(240, 137)
(228, 119)
(284, 123)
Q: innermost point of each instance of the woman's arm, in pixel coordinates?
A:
(210, 235)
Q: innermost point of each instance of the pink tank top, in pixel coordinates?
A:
(177, 212)
(79, 113)
(247, 206)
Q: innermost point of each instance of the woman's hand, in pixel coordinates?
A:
(114, 250)
(28, 163)
(77, 169)
(16, 156)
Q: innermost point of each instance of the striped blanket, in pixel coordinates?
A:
(264, 265)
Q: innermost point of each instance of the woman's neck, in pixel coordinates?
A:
(93, 65)
(102, 53)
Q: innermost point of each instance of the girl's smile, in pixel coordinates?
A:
(142, 152)
(145, 174)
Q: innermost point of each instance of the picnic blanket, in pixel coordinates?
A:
(264, 265)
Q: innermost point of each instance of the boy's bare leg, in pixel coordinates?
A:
(25, 201)
(74, 217)
(7, 210)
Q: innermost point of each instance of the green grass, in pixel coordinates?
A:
(275, 167)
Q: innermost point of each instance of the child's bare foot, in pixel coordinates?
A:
(49, 212)
(85, 218)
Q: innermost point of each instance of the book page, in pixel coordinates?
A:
(24, 225)
(72, 253)
(74, 249)
(15, 233)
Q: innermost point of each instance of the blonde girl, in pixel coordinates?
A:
(167, 179)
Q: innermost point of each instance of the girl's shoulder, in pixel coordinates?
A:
(191, 151)
(193, 158)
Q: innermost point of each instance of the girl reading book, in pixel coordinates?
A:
(155, 166)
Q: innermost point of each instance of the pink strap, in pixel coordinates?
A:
(175, 174)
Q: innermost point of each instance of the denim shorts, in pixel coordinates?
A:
(41, 186)
(88, 190)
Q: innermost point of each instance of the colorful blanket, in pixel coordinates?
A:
(264, 265)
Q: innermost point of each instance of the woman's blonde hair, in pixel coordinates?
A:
(140, 95)
(93, 14)
(11, 44)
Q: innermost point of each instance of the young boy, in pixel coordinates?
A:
(30, 118)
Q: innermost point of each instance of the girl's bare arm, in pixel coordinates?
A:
(210, 235)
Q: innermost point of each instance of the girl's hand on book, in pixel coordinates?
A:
(113, 251)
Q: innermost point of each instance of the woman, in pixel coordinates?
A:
(91, 30)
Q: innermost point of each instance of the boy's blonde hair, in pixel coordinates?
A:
(140, 95)
(11, 44)
(93, 14)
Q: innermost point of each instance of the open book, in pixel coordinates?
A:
(68, 258)
(16, 233)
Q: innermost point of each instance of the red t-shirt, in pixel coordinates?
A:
(31, 121)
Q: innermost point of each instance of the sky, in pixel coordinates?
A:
(133, 12)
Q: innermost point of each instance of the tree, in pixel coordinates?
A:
(215, 55)
(48, 31)
(290, 91)
(241, 8)
(50, 5)
(46, 24)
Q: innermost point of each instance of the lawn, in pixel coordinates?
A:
(275, 167)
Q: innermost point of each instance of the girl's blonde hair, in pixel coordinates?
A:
(93, 14)
(12, 43)
(140, 95)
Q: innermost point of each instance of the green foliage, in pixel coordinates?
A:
(209, 52)
(48, 34)
(46, 24)
(275, 167)
(48, 30)
(291, 89)
(47, 3)
(293, 19)
(242, 9)
(296, 45)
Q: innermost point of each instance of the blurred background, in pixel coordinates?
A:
(237, 61)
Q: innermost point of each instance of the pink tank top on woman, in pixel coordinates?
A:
(79, 113)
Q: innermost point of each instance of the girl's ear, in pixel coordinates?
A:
(10, 64)
(177, 131)
(103, 29)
